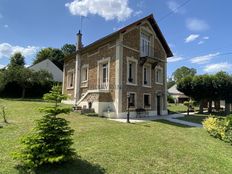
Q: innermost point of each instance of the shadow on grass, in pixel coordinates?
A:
(172, 123)
(25, 99)
(77, 166)
(193, 118)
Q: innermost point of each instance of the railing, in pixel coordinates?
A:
(148, 51)
(104, 85)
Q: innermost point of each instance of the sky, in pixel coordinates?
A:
(197, 31)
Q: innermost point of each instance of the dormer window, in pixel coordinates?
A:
(145, 44)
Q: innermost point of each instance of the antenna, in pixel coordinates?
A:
(81, 22)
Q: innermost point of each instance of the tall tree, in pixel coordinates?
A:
(183, 72)
(17, 60)
(68, 49)
(53, 54)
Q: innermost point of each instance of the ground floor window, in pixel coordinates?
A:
(132, 99)
(147, 100)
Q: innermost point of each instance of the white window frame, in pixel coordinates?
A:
(131, 59)
(86, 66)
(145, 107)
(132, 107)
(68, 79)
(162, 78)
(148, 76)
(100, 62)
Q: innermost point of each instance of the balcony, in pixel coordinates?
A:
(148, 51)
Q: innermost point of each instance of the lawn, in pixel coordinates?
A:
(106, 146)
(176, 108)
(196, 118)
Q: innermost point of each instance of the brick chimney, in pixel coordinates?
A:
(79, 41)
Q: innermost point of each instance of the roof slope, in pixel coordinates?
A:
(174, 90)
(153, 23)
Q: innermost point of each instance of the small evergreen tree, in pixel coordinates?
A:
(51, 141)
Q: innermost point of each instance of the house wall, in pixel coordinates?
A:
(131, 43)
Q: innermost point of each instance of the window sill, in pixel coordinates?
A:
(84, 81)
(131, 84)
(84, 86)
(147, 86)
(158, 83)
(69, 88)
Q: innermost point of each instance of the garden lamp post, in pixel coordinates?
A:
(128, 109)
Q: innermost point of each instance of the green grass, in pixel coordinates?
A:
(179, 108)
(106, 146)
(196, 118)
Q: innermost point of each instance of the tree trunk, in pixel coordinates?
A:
(23, 92)
(227, 108)
(210, 107)
(201, 107)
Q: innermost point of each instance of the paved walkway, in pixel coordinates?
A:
(171, 118)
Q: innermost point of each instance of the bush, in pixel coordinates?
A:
(170, 99)
(219, 128)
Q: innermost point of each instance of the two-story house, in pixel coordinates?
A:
(127, 67)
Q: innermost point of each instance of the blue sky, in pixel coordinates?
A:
(198, 33)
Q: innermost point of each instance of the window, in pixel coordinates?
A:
(159, 75)
(145, 44)
(131, 71)
(103, 74)
(84, 73)
(132, 100)
(70, 83)
(147, 75)
(146, 101)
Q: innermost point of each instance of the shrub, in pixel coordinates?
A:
(170, 99)
(219, 128)
(50, 142)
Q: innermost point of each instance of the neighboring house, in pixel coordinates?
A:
(178, 96)
(127, 65)
(49, 66)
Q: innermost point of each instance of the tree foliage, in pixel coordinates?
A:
(53, 54)
(17, 60)
(50, 142)
(207, 87)
(68, 49)
(183, 72)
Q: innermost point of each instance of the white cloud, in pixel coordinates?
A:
(206, 38)
(5, 26)
(213, 68)
(174, 7)
(108, 9)
(204, 59)
(2, 66)
(138, 13)
(196, 25)
(201, 42)
(174, 59)
(7, 50)
(191, 38)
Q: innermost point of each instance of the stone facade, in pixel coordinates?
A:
(116, 51)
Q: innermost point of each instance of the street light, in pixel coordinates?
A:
(128, 109)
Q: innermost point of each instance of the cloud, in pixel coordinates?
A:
(191, 38)
(138, 13)
(174, 59)
(196, 25)
(1, 16)
(5, 26)
(204, 59)
(203, 39)
(2, 66)
(174, 7)
(213, 68)
(108, 9)
(7, 50)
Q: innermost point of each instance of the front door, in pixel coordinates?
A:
(158, 106)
